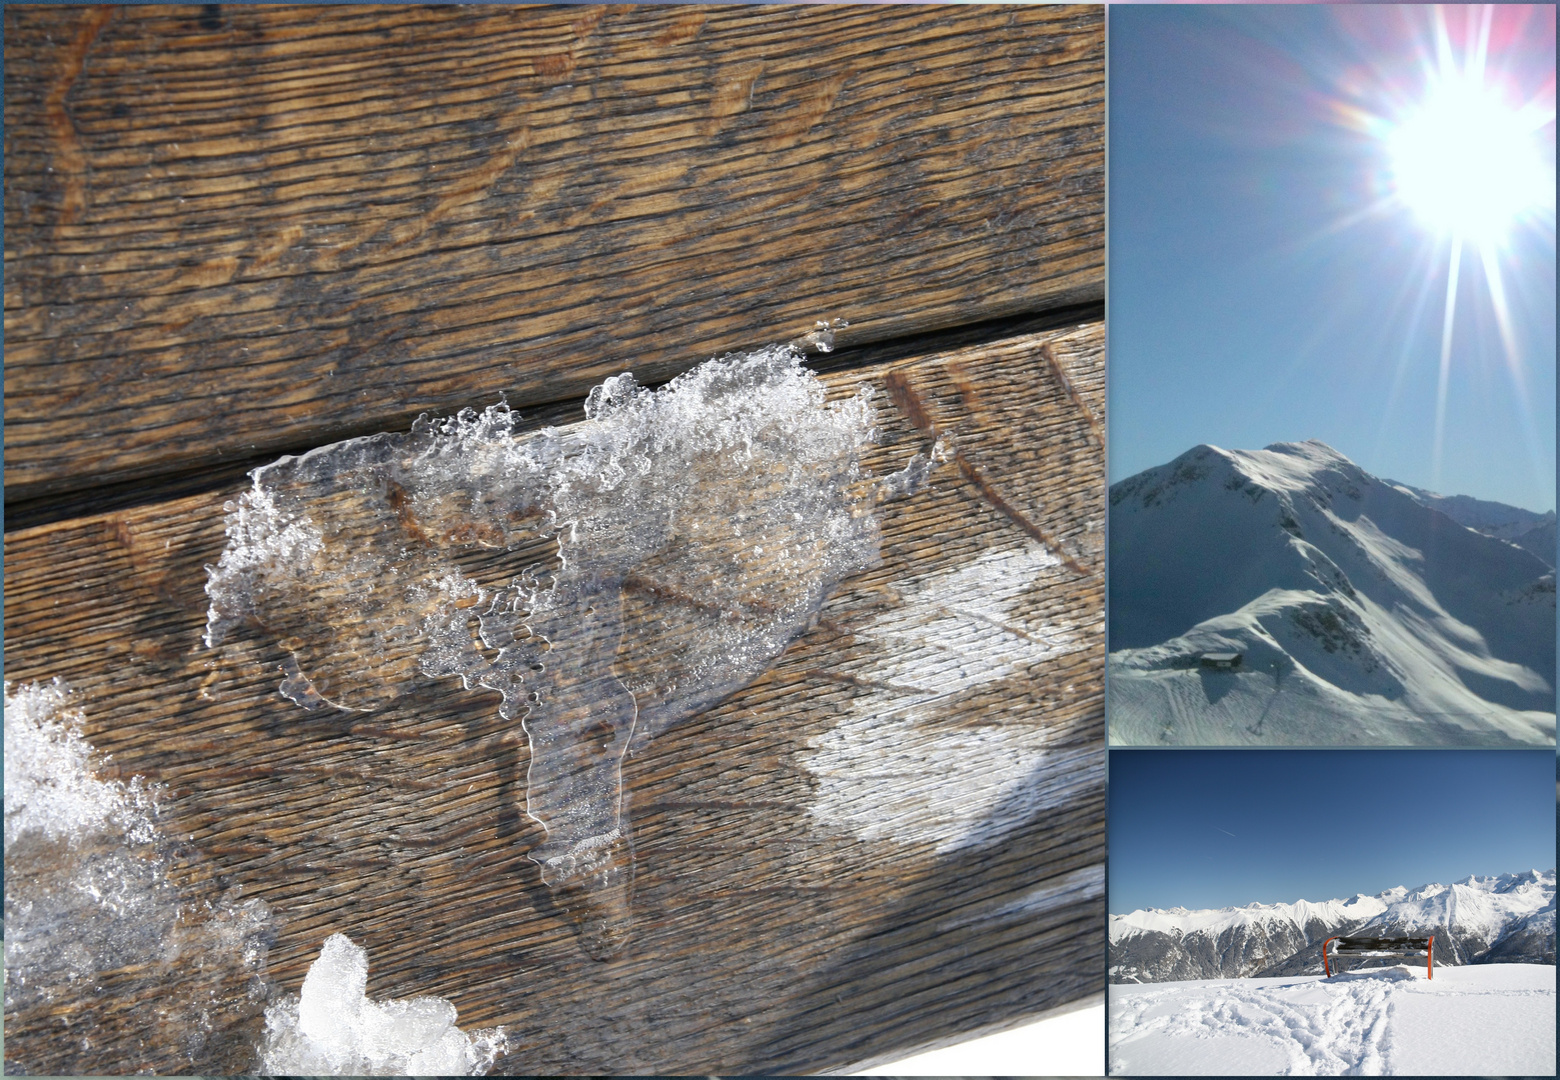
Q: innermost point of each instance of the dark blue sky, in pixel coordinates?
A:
(1216, 828)
(1265, 282)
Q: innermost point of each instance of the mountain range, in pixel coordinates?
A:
(1506, 919)
(1348, 610)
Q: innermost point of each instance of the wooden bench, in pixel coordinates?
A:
(1336, 947)
(236, 232)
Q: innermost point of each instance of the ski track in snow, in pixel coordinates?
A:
(1346, 1026)
(1326, 1038)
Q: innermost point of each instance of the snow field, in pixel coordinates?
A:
(1476, 1020)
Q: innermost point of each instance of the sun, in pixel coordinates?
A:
(1470, 157)
(1466, 162)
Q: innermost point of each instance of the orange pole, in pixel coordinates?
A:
(1430, 959)
(1325, 965)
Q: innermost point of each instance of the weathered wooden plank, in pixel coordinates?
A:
(101, 498)
(895, 834)
(259, 227)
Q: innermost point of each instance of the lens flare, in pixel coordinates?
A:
(1471, 158)
(1467, 163)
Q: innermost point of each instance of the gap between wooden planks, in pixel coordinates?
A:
(808, 894)
(234, 231)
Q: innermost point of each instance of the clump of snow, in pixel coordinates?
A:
(332, 1028)
(50, 789)
(96, 915)
(694, 529)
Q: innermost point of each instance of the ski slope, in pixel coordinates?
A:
(1471, 1021)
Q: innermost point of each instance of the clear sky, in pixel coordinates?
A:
(1222, 828)
(1287, 186)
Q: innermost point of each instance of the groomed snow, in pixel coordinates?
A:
(1479, 1020)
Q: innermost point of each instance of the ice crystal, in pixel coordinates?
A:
(97, 918)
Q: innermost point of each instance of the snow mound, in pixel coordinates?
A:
(332, 1028)
(50, 787)
(1395, 973)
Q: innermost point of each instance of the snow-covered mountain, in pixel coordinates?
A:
(1361, 613)
(1506, 919)
(1540, 539)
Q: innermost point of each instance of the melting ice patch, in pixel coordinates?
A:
(332, 1028)
(883, 772)
(669, 547)
(95, 916)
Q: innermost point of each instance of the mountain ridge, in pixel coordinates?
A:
(1361, 614)
(1505, 918)
(1527, 529)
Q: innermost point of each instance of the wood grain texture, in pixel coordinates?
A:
(235, 230)
(832, 863)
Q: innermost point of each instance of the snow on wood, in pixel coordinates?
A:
(753, 917)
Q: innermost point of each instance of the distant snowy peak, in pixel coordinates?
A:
(1527, 529)
(1483, 515)
(1428, 905)
(1299, 915)
(1540, 540)
(1507, 918)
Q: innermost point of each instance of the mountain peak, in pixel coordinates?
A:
(1355, 607)
(1307, 447)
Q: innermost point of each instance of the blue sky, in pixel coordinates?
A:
(1216, 828)
(1268, 280)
